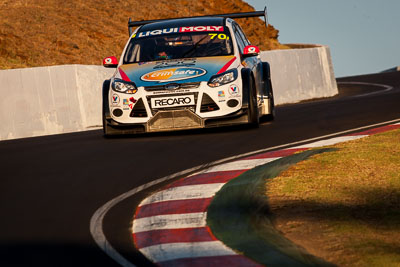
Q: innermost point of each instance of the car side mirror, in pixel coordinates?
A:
(251, 51)
(110, 62)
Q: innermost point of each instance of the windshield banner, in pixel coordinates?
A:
(180, 29)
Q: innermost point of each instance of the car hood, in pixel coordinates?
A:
(175, 71)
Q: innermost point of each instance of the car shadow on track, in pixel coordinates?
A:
(32, 253)
(203, 131)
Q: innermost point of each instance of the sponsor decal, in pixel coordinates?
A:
(251, 49)
(125, 102)
(110, 61)
(115, 99)
(221, 96)
(175, 63)
(172, 101)
(234, 90)
(202, 29)
(170, 92)
(173, 74)
(133, 101)
(181, 29)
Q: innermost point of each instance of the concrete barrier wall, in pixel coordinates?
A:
(301, 73)
(50, 100)
(62, 99)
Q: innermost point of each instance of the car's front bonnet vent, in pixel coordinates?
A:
(207, 104)
(172, 86)
(139, 110)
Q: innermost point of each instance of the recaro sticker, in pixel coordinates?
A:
(173, 74)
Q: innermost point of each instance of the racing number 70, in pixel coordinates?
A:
(220, 36)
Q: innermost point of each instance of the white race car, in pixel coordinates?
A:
(186, 73)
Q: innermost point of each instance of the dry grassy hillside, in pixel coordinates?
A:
(54, 32)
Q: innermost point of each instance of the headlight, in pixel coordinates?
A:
(124, 87)
(223, 78)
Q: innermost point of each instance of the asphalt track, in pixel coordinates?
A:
(51, 186)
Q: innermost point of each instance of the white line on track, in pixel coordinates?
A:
(171, 221)
(183, 192)
(172, 251)
(96, 222)
(240, 165)
(387, 88)
(331, 141)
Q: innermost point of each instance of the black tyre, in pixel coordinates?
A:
(107, 130)
(271, 116)
(268, 91)
(254, 116)
(250, 98)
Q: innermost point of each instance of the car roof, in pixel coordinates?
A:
(203, 21)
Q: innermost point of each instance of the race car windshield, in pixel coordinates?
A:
(144, 48)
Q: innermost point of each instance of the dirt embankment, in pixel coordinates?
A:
(54, 32)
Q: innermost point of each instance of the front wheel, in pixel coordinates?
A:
(268, 92)
(254, 116)
(107, 130)
(271, 115)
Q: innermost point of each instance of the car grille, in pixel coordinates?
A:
(163, 87)
(207, 104)
(139, 110)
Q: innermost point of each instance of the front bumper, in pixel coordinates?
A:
(208, 107)
(175, 120)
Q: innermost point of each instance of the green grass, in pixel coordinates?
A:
(350, 197)
(239, 217)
